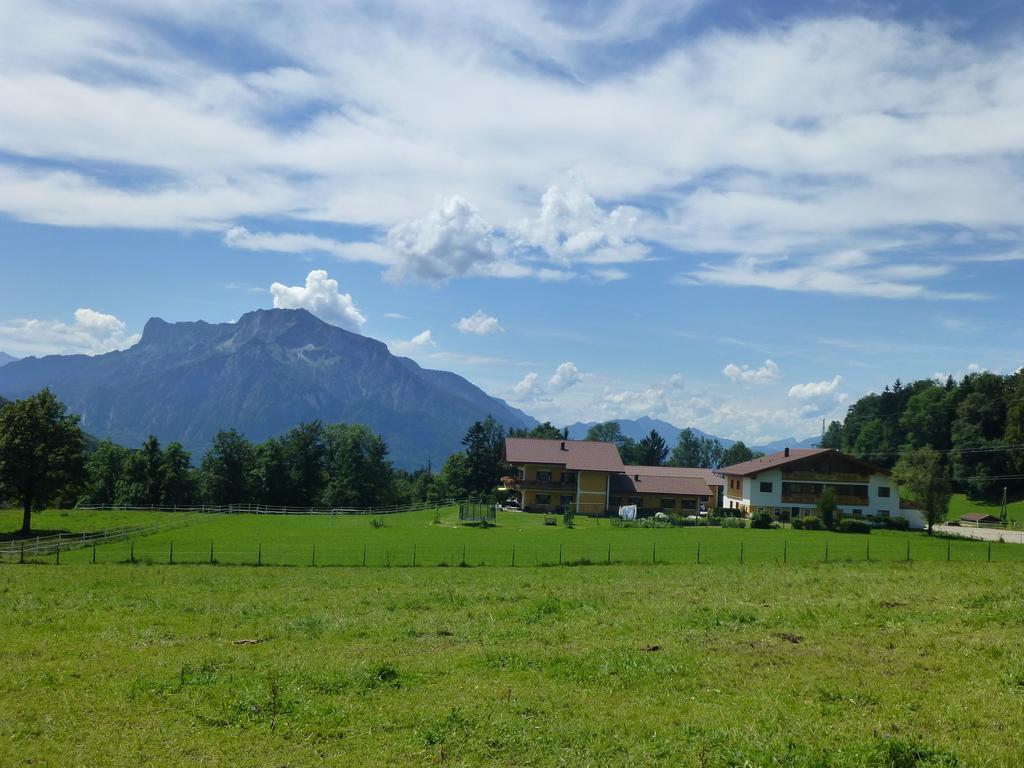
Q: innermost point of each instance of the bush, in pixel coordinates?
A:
(852, 525)
(811, 523)
(761, 520)
(734, 522)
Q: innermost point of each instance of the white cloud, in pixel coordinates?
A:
(320, 295)
(450, 241)
(564, 377)
(745, 374)
(479, 324)
(609, 275)
(417, 344)
(528, 387)
(815, 389)
(91, 333)
(240, 237)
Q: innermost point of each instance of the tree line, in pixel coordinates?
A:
(47, 460)
(974, 427)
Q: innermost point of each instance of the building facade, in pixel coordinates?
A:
(590, 478)
(789, 483)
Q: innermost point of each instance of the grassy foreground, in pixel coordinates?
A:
(840, 664)
(429, 539)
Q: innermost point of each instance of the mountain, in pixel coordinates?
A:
(5, 359)
(261, 375)
(639, 428)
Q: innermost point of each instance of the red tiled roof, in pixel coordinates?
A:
(707, 475)
(573, 454)
(673, 485)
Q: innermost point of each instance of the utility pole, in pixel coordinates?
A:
(1002, 509)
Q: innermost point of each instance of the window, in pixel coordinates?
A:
(883, 492)
(690, 504)
(857, 513)
(766, 486)
(883, 513)
(668, 503)
(543, 498)
(568, 477)
(543, 476)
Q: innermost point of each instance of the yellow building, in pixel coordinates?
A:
(590, 478)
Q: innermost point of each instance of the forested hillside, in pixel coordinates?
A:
(976, 423)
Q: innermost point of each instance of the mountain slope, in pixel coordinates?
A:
(5, 358)
(261, 375)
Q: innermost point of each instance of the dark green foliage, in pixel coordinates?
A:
(693, 450)
(652, 449)
(104, 470)
(41, 453)
(545, 431)
(809, 523)
(738, 452)
(854, 525)
(761, 520)
(358, 470)
(226, 474)
(923, 479)
(828, 510)
(485, 444)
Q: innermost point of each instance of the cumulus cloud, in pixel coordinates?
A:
(321, 296)
(91, 333)
(747, 375)
(423, 340)
(815, 389)
(572, 227)
(531, 386)
(479, 324)
(451, 241)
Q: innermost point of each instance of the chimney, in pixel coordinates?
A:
(637, 478)
(563, 445)
(787, 452)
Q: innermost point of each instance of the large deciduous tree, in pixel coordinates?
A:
(358, 471)
(226, 475)
(922, 479)
(484, 441)
(41, 452)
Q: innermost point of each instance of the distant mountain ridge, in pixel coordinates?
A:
(5, 358)
(261, 375)
(638, 428)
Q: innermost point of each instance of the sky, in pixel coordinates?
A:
(738, 216)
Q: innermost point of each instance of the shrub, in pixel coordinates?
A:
(810, 523)
(761, 520)
(734, 522)
(852, 525)
(894, 523)
(377, 522)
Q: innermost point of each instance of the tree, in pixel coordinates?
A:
(152, 459)
(41, 452)
(103, 472)
(827, 507)
(833, 437)
(693, 450)
(226, 475)
(452, 482)
(305, 454)
(922, 478)
(271, 475)
(606, 432)
(484, 441)
(358, 471)
(652, 449)
(546, 431)
(737, 453)
(177, 484)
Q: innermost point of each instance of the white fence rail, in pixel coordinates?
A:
(266, 509)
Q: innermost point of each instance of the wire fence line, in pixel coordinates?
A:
(63, 542)
(270, 509)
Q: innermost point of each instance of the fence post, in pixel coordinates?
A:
(654, 553)
(867, 553)
(364, 555)
(949, 547)
(131, 554)
(312, 562)
(741, 553)
(990, 551)
(559, 554)
(259, 554)
(170, 557)
(463, 554)
(513, 555)
(22, 559)
(908, 551)
(609, 554)
(58, 551)
(414, 555)
(94, 553)
(211, 553)
(826, 550)
(785, 551)
(698, 552)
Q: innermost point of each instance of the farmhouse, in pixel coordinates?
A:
(552, 475)
(789, 483)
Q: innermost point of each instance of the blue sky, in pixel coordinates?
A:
(739, 216)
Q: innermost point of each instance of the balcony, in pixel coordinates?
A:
(812, 498)
(825, 477)
(546, 485)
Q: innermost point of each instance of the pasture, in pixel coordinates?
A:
(838, 664)
(435, 538)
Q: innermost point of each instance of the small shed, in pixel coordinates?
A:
(979, 518)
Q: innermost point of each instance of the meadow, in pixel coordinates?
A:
(837, 664)
(436, 538)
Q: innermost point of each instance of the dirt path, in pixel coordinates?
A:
(984, 534)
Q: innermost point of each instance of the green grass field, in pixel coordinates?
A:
(415, 538)
(839, 664)
(961, 505)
